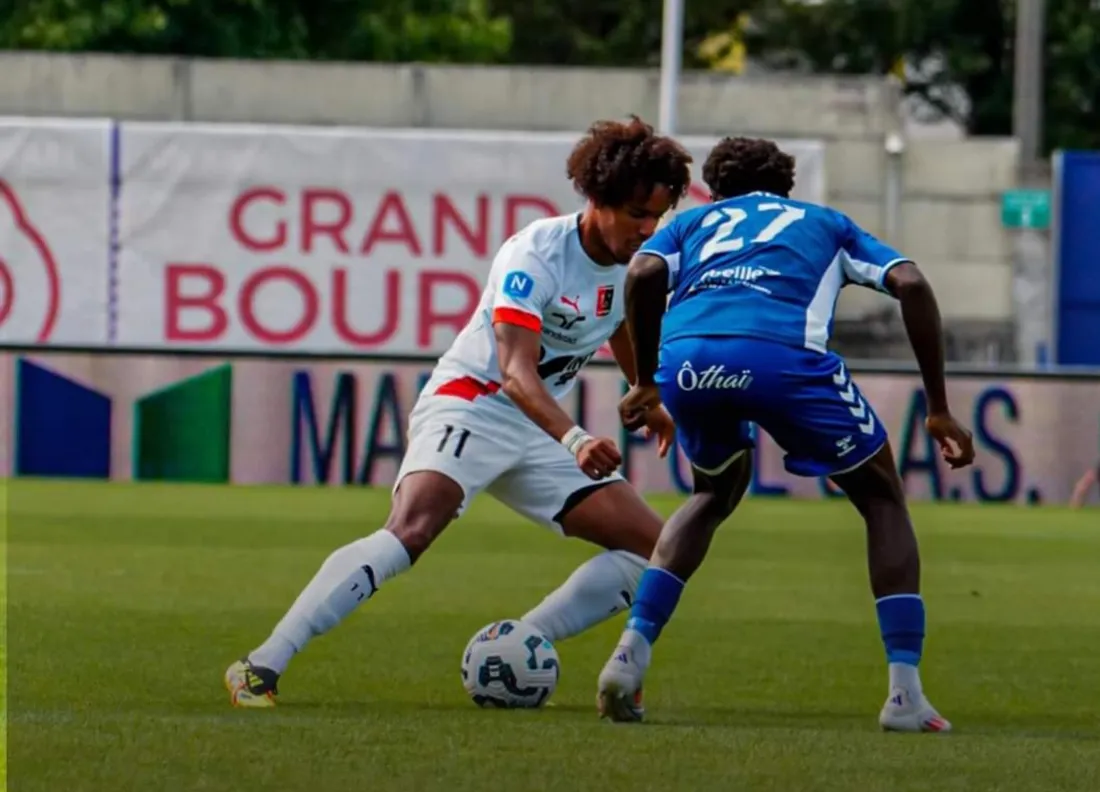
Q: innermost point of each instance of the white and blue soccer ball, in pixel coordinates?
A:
(509, 664)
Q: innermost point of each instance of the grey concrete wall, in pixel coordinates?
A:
(435, 96)
(949, 219)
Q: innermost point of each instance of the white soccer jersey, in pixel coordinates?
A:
(543, 280)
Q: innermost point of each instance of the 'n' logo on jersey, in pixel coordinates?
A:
(605, 296)
(518, 284)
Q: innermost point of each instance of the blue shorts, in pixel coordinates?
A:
(715, 387)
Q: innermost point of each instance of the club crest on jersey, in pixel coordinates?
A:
(605, 296)
(518, 284)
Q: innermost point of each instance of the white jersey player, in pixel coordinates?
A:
(489, 417)
(466, 425)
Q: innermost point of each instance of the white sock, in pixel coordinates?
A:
(597, 590)
(347, 578)
(906, 676)
(639, 647)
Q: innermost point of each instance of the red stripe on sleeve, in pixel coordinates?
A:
(514, 316)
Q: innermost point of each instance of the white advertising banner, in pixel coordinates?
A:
(276, 421)
(253, 238)
(55, 219)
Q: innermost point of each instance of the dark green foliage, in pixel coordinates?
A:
(953, 48)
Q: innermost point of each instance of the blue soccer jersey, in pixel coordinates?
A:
(760, 266)
(754, 283)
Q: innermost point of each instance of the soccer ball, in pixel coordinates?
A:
(510, 664)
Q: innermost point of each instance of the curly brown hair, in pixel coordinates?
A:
(740, 165)
(618, 161)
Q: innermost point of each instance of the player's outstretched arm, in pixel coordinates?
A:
(518, 350)
(646, 294)
(924, 326)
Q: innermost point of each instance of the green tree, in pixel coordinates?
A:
(614, 33)
(381, 30)
(958, 55)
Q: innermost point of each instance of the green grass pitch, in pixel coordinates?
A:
(125, 603)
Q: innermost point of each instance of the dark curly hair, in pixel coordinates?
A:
(617, 161)
(739, 165)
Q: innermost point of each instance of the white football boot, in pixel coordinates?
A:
(905, 713)
(619, 695)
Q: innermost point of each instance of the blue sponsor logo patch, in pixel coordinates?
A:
(518, 285)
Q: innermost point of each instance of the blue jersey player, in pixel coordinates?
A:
(754, 278)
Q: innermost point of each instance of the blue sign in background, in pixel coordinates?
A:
(1077, 257)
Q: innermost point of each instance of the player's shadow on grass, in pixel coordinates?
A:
(358, 707)
(1054, 727)
(690, 717)
(1062, 728)
(758, 717)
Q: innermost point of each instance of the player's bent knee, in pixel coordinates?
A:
(875, 484)
(424, 504)
(721, 469)
(417, 530)
(726, 488)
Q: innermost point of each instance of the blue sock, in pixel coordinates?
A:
(658, 593)
(901, 620)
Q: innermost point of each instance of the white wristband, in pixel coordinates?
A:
(574, 439)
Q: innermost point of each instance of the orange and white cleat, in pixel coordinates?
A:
(251, 686)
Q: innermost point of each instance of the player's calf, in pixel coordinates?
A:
(687, 535)
(680, 550)
(893, 556)
(611, 515)
(597, 590)
(875, 489)
(424, 505)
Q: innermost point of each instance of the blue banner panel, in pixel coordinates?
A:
(63, 428)
(1077, 252)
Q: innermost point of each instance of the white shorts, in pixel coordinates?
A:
(483, 445)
